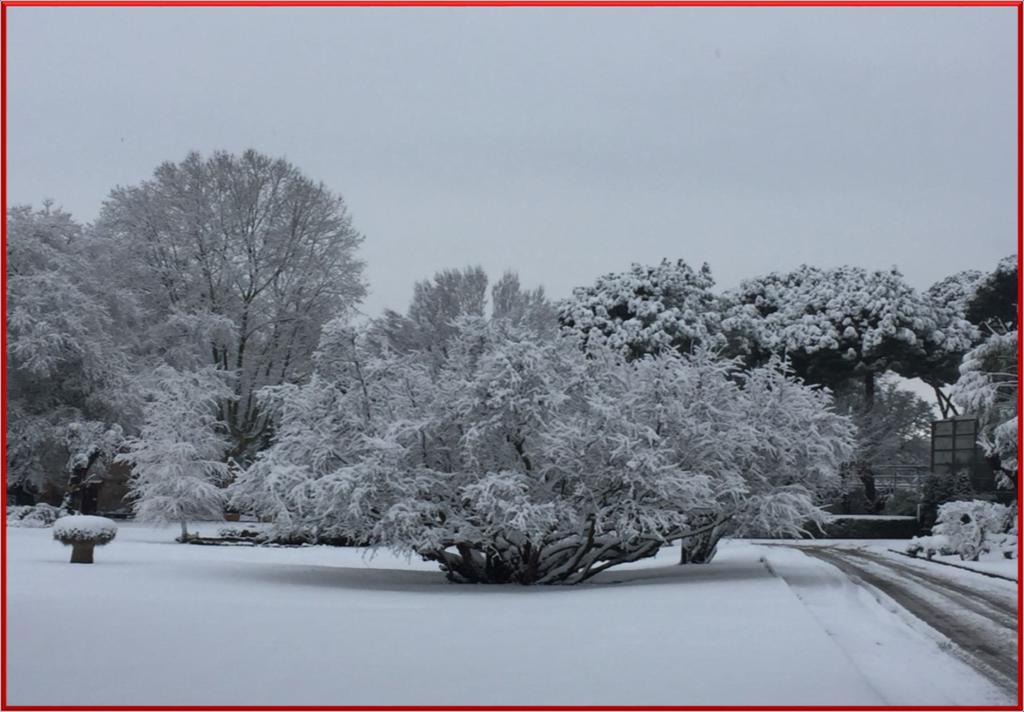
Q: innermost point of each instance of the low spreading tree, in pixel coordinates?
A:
(178, 458)
(524, 459)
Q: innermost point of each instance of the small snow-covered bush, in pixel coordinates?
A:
(37, 515)
(929, 546)
(82, 533)
(974, 527)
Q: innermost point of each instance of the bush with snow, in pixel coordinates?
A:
(36, 515)
(929, 546)
(519, 459)
(82, 533)
(974, 527)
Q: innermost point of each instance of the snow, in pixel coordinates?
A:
(84, 527)
(875, 635)
(197, 625)
(991, 563)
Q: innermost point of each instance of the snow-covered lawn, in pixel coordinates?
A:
(154, 622)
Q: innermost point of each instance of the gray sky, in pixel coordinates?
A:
(563, 143)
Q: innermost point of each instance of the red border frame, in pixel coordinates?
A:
(485, 4)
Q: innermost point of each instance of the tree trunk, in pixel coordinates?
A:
(945, 404)
(869, 390)
(184, 531)
(72, 500)
(867, 478)
(81, 552)
(700, 549)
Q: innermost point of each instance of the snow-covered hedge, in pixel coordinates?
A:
(36, 515)
(974, 527)
(853, 526)
(84, 529)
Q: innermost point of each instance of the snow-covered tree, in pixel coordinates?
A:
(178, 459)
(452, 294)
(525, 459)
(320, 426)
(529, 308)
(988, 301)
(894, 432)
(646, 309)
(994, 301)
(238, 261)
(68, 349)
(956, 290)
(847, 323)
(987, 389)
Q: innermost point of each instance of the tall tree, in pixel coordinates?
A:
(988, 301)
(843, 324)
(894, 432)
(994, 301)
(453, 294)
(238, 262)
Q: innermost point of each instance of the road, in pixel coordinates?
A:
(976, 613)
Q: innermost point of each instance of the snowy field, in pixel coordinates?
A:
(155, 622)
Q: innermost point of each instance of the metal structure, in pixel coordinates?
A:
(901, 478)
(955, 449)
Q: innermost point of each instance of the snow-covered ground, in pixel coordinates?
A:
(154, 622)
(990, 562)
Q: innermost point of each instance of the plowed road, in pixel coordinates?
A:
(976, 613)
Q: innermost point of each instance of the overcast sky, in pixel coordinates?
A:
(562, 143)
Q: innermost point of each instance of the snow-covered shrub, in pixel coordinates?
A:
(36, 515)
(518, 459)
(869, 526)
(929, 546)
(82, 533)
(177, 460)
(242, 532)
(974, 527)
